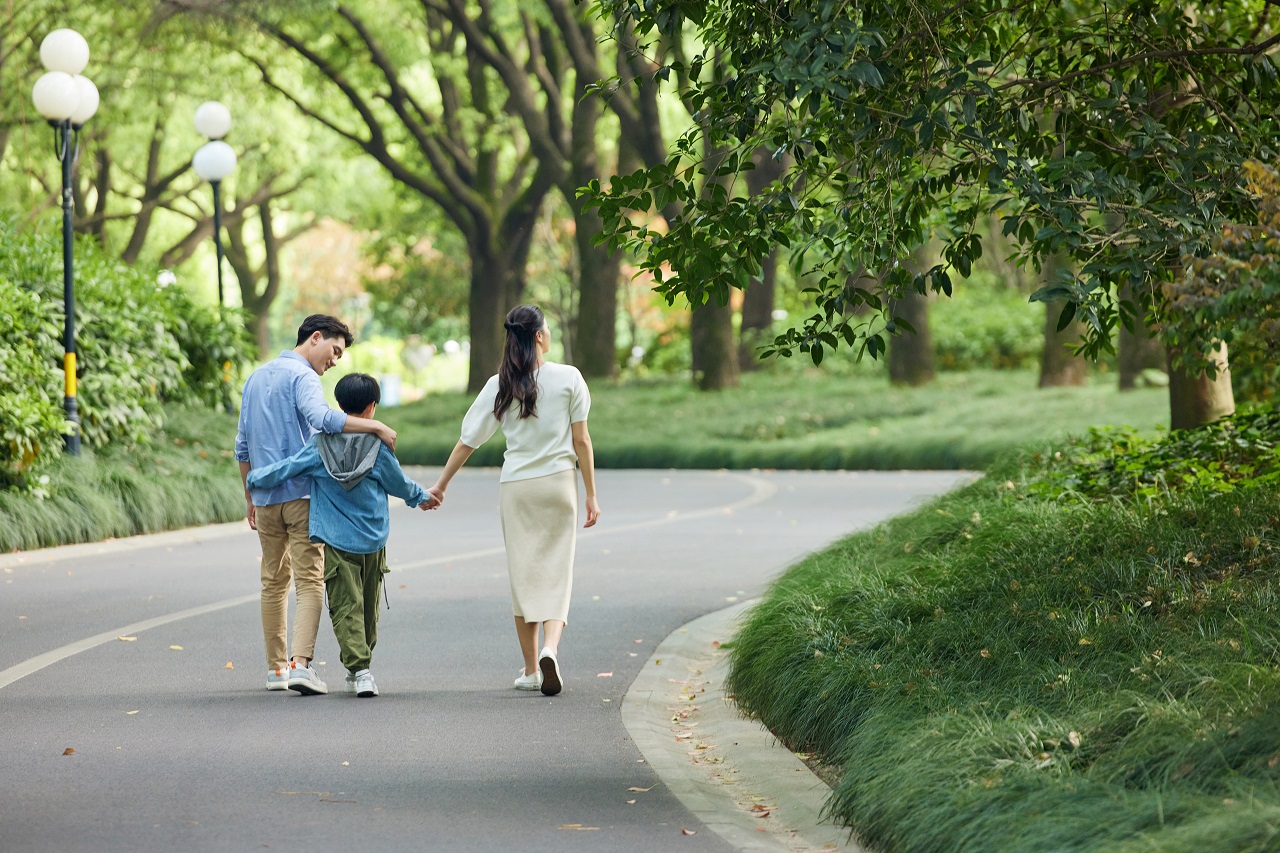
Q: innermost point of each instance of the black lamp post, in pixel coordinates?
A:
(67, 100)
(213, 162)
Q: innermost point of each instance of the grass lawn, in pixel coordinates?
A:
(793, 420)
(1024, 670)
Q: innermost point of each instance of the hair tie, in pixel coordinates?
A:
(510, 327)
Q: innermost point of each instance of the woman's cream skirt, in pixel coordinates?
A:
(540, 528)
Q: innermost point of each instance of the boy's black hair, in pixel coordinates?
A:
(328, 327)
(355, 391)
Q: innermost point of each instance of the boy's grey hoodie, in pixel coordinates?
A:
(351, 477)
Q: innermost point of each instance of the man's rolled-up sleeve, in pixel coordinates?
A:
(310, 399)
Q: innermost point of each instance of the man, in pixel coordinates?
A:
(282, 407)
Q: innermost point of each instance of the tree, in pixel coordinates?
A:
(911, 355)
(759, 298)
(1110, 134)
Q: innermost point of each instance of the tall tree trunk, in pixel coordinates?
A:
(1138, 350)
(758, 299)
(497, 285)
(1196, 400)
(911, 356)
(596, 330)
(715, 362)
(1059, 367)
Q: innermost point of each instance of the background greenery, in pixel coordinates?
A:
(810, 419)
(964, 420)
(139, 346)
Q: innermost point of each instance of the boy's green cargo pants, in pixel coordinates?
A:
(352, 583)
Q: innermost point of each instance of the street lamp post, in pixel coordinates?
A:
(213, 162)
(67, 100)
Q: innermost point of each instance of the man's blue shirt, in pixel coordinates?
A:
(358, 520)
(282, 406)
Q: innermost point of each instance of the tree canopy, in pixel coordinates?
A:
(1108, 137)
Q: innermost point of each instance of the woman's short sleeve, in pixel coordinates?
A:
(579, 399)
(479, 424)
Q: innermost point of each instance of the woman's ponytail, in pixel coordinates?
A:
(516, 382)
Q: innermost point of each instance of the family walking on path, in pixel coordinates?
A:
(317, 481)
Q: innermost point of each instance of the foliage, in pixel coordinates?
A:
(1233, 293)
(138, 346)
(1001, 671)
(985, 326)
(1236, 452)
(185, 476)
(1110, 134)
(809, 421)
(417, 279)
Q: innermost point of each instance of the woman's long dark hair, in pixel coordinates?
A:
(519, 360)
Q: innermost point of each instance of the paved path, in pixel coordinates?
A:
(169, 741)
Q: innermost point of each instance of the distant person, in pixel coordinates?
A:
(351, 477)
(283, 406)
(542, 409)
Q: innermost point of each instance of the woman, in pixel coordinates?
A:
(542, 409)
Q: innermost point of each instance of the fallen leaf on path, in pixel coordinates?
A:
(631, 802)
(642, 790)
(579, 827)
(131, 713)
(127, 639)
(684, 831)
(175, 648)
(346, 764)
(229, 665)
(68, 751)
(637, 641)
(604, 675)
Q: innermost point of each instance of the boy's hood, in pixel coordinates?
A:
(348, 457)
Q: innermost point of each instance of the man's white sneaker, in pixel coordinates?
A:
(304, 680)
(550, 668)
(277, 679)
(528, 682)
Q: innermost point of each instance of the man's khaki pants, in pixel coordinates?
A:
(287, 550)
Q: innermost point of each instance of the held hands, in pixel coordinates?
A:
(432, 502)
(593, 511)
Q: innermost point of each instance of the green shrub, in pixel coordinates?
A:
(138, 347)
(986, 326)
(1235, 452)
(1014, 668)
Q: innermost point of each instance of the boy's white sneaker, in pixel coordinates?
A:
(365, 687)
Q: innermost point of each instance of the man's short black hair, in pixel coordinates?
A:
(356, 391)
(328, 327)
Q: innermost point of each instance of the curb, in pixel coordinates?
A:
(734, 775)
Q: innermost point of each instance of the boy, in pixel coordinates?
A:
(351, 477)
